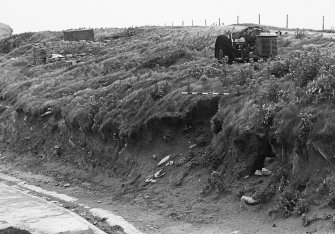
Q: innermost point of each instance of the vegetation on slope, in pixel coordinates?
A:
(280, 108)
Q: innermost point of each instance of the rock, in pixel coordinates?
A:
(258, 172)
(98, 201)
(274, 225)
(154, 157)
(150, 179)
(66, 185)
(170, 163)
(47, 113)
(164, 160)
(249, 200)
(159, 174)
(266, 172)
(56, 56)
(192, 146)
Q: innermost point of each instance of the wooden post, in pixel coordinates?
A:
(286, 21)
(172, 24)
(219, 21)
(182, 23)
(259, 18)
(192, 23)
(238, 19)
(323, 23)
(205, 22)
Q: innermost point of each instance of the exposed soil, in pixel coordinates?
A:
(103, 125)
(179, 202)
(160, 209)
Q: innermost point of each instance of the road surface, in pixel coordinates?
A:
(36, 215)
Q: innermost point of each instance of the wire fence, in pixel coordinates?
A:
(219, 22)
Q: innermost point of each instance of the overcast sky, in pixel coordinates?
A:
(39, 15)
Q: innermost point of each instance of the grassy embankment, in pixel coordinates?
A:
(132, 86)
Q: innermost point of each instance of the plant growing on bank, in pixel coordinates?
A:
(304, 67)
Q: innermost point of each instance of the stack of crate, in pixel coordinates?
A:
(39, 54)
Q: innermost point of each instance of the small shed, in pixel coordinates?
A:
(78, 35)
(267, 45)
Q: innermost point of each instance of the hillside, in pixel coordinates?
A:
(5, 30)
(108, 116)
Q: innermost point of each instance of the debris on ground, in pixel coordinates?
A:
(159, 174)
(170, 163)
(258, 173)
(164, 160)
(48, 112)
(150, 179)
(266, 172)
(249, 200)
(192, 146)
(263, 172)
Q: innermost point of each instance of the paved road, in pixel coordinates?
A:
(22, 210)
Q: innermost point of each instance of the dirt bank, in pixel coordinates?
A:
(104, 124)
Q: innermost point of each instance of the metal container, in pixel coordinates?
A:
(267, 45)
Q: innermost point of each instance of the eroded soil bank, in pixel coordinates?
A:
(103, 125)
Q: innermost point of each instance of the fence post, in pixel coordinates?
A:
(286, 21)
(205, 22)
(219, 22)
(259, 18)
(192, 23)
(323, 23)
(238, 19)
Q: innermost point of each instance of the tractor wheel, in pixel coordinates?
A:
(221, 54)
(223, 47)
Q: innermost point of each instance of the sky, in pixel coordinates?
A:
(57, 15)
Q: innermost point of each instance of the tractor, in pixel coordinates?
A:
(251, 43)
